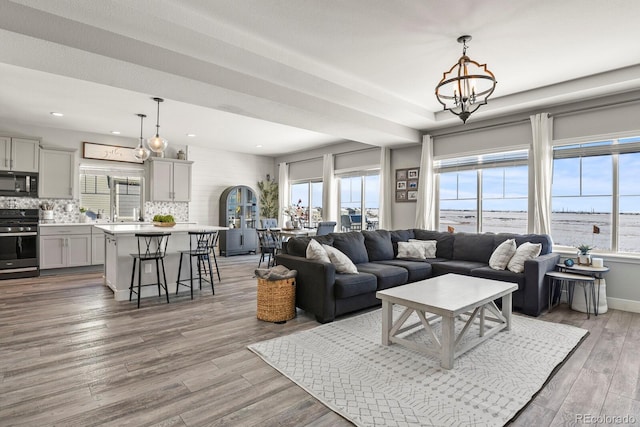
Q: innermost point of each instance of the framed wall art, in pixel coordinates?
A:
(407, 184)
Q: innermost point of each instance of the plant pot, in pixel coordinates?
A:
(584, 259)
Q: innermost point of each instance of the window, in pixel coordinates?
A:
(359, 193)
(595, 198)
(309, 195)
(109, 192)
(504, 199)
(484, 193)
(459, 201)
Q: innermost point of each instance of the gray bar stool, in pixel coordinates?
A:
(560, 279)
(201, 244)
(151, 247)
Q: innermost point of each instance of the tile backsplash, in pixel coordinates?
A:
(180, 211)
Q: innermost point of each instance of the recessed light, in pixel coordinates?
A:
(53, 113)
(115, 132)
(191, 135)
(259, 146)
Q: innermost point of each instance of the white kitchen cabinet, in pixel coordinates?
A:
(57, 174)
(97, 247)
(19, 154)
(169, 180)
(65, 246)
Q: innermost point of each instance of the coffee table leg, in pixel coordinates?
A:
(387, 320)
(448, 342)
(506, 309)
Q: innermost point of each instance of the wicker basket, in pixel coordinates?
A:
(276, 300)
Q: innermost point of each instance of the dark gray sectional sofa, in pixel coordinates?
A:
(327, 294)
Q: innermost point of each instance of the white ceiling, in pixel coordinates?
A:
(297, 74)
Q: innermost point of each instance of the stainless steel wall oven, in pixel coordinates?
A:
(19, 256)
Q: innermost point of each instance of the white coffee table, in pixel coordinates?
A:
(447, 297)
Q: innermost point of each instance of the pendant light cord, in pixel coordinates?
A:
(158, 119)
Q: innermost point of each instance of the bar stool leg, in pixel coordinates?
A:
(133, 275)
(166, 284)
(191, 274)
(179, 271)
(199, 273)
(139, 280)
(210, 274)
(215, 260)
(158, 276)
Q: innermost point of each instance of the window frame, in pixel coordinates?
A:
(517, 156)
(362, 174)
(591, 146)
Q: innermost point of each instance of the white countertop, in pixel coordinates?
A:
(149, 228)
(89, 223)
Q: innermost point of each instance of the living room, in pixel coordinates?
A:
(258, 86)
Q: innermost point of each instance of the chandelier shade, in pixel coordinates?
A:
(466, 86)
(140, 152)
(157, 144)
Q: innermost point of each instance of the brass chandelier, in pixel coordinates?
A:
(466, 86)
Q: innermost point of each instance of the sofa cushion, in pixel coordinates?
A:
(455, 266)
(473, 247)
(502, 275)
(444, 247)
(297, 246)
(400, 236)
(341, 261)
(378, 244)
(349, 285)
(316, 252)
(388, 275)
(411, 250)
(502, 254)
(418, 270)
(524, 252)
(544, 239)
(352, 245)
(430, 247)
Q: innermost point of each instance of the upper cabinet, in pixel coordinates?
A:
(19, 154)
(57, 174)
(169, 180)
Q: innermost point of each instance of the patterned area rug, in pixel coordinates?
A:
(343, 365)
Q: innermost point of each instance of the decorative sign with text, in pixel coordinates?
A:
(113, 153)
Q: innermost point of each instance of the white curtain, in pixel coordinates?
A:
(329, 199)
(283, 192)
(385, 221)
(426, 206)
(542, 163)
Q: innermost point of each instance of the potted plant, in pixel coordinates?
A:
(584, 257)
(163, 221)
(83, 217)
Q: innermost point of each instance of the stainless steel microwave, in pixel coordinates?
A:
(18, 184)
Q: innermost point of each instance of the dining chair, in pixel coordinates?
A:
(325, 227)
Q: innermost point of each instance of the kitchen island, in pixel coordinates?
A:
(120, 242)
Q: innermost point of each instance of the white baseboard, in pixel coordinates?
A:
(624, 304)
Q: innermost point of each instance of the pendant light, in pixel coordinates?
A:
(140, 152)
(466, 86)
(157, 144)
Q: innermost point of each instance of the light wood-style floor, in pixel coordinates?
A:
(70, 355)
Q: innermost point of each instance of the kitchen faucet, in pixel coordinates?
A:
(115, 213)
